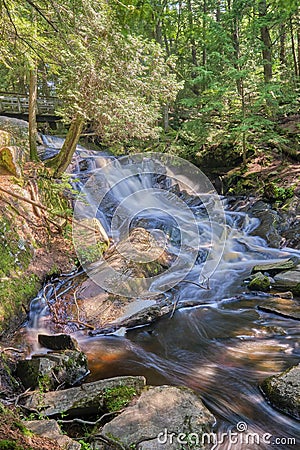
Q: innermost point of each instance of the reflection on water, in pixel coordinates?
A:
(221, 352)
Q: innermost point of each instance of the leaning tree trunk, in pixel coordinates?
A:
(32, 110)
(61, 161)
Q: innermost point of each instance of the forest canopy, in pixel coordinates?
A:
(194, 75)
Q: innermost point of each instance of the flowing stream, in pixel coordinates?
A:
(223, 347)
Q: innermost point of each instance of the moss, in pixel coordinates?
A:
(14, 294)
(20, 426)
(260, 283)
(7, 444)
(118, 397)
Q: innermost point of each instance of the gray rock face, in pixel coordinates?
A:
(270, 220)
(54, 369)
(89, 398)
(161, 418)
(289, 279)
(283, 391)
(50, 429)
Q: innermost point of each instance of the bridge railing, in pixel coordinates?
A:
(18, 104)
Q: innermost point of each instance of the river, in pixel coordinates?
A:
(224, 346)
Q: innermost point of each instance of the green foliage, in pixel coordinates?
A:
(90, 253)
(7, 444)
(20, 426)
(85, 445)
(274, 192)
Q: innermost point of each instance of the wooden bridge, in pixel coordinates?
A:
(16, 105)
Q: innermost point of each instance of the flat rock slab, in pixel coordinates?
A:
(282, 306)
(283, 391)
(158, 417)
(51, 429)
(277, 267)
(86, 399)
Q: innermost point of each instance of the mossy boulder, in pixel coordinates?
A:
(260, 282)
(283, 391)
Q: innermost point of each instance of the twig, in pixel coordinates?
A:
(88, 422)
(86, 325)
(20, 396)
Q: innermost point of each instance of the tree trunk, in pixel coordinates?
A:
(166, 117)
(293, 47)
(282, 54)
(267, 43)
(192, 39)
(32, 110)
(61, 161)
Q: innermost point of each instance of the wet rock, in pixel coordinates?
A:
(270, 221)
(163, 414)
(58, 342)
(145, 316)
(283, 391)
(89, 398)
(274, 268)
(51, 429)
(53, 370)
(119, 281)
(292, 237)
(289, 280)
(259, 282)
(282, 306)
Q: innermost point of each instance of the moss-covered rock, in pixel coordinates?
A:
(283, 391)
(49, 371)
(260, 282)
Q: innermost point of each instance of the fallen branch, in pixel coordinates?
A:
(44, 208)
(89, 422)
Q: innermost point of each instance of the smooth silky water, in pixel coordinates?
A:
(223, 347)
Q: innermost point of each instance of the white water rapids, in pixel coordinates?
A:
(222, 348)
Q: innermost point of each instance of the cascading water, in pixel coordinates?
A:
(222, 348)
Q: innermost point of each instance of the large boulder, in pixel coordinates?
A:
(16, 132)
(163, 417)
(283, 391)
(88, 399)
